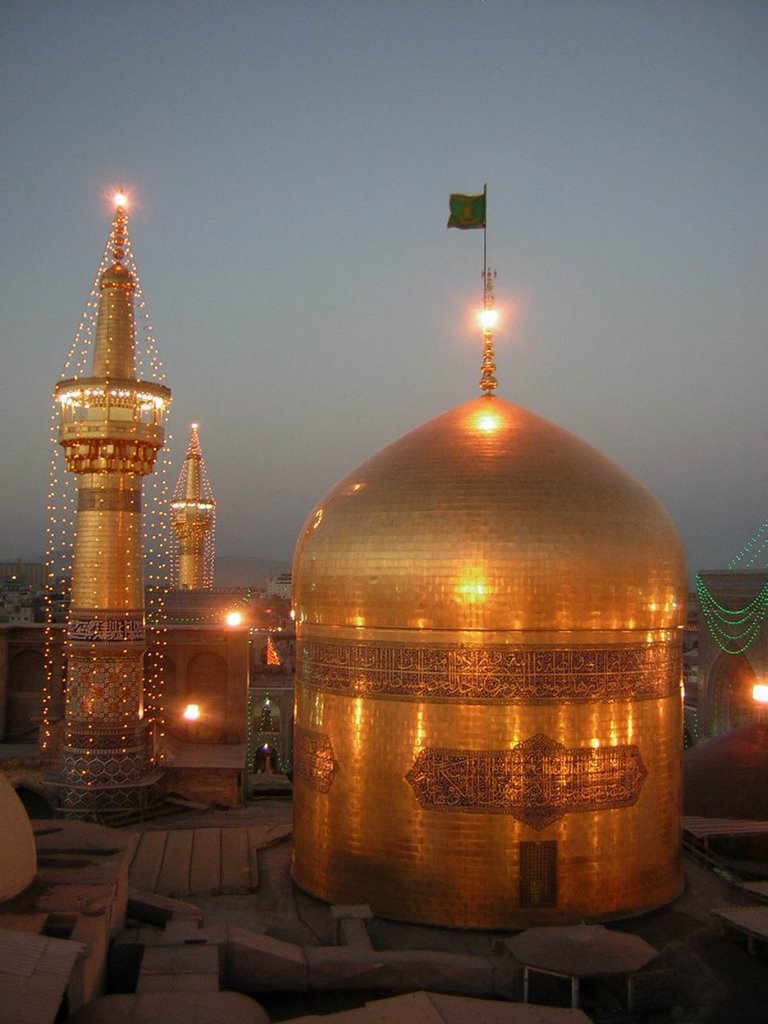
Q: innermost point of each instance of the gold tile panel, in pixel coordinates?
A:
(367, 839)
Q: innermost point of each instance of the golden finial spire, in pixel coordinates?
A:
(119, 226)
(488, 318)
(114, 353)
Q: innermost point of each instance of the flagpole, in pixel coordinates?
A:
(487, 380)
(485, 238)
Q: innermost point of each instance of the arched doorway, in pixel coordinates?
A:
(265, 759)
(729, 696)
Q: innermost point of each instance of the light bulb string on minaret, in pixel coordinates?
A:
(64, 525)
(470, 212)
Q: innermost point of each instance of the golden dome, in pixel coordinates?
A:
(489, 517)
(488, 714)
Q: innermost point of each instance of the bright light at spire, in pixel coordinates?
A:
(195, 426)
(120, 199)
(488, 318)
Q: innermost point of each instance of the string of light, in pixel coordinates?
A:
(734, 629)
(62, 523)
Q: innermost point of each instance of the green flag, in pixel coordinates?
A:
(467, 211)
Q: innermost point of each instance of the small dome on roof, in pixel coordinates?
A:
(18, 859)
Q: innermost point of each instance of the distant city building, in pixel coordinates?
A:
(193, 520)
(280, 586)
(29, 574)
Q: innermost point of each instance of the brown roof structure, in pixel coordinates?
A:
(162, 1007)
(438, 1008)
(582, 951)
(34, 972)
(727, 776)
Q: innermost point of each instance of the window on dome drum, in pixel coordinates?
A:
(538, 875)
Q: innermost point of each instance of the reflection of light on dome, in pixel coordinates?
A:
(192, 712)
(471, 590)
(488, 423)
(234, 619)
(760, 693)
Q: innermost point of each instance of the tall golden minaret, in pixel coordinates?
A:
(111, 428)
(193, 518)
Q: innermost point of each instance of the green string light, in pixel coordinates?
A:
(724, 623)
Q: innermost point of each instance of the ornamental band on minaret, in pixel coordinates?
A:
(111, 428)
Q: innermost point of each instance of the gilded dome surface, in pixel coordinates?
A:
(488, 713)
(489, 517)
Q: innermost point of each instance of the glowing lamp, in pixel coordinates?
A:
(191, 712)
(760, 693)
(234, 619)
(488, 319)
(120, 200)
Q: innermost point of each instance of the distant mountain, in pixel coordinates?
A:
(234, 571)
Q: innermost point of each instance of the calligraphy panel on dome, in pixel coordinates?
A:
(537, 782)
(491, 673)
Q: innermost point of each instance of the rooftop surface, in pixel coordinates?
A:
(716, 979)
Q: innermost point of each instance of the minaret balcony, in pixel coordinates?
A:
(95, 401)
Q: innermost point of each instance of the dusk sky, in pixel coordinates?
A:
(289, 166)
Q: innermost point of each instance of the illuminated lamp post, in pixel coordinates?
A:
(760, 697)
(191, 714)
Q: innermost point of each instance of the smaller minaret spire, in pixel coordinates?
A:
(488, 319)
(193, 518)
